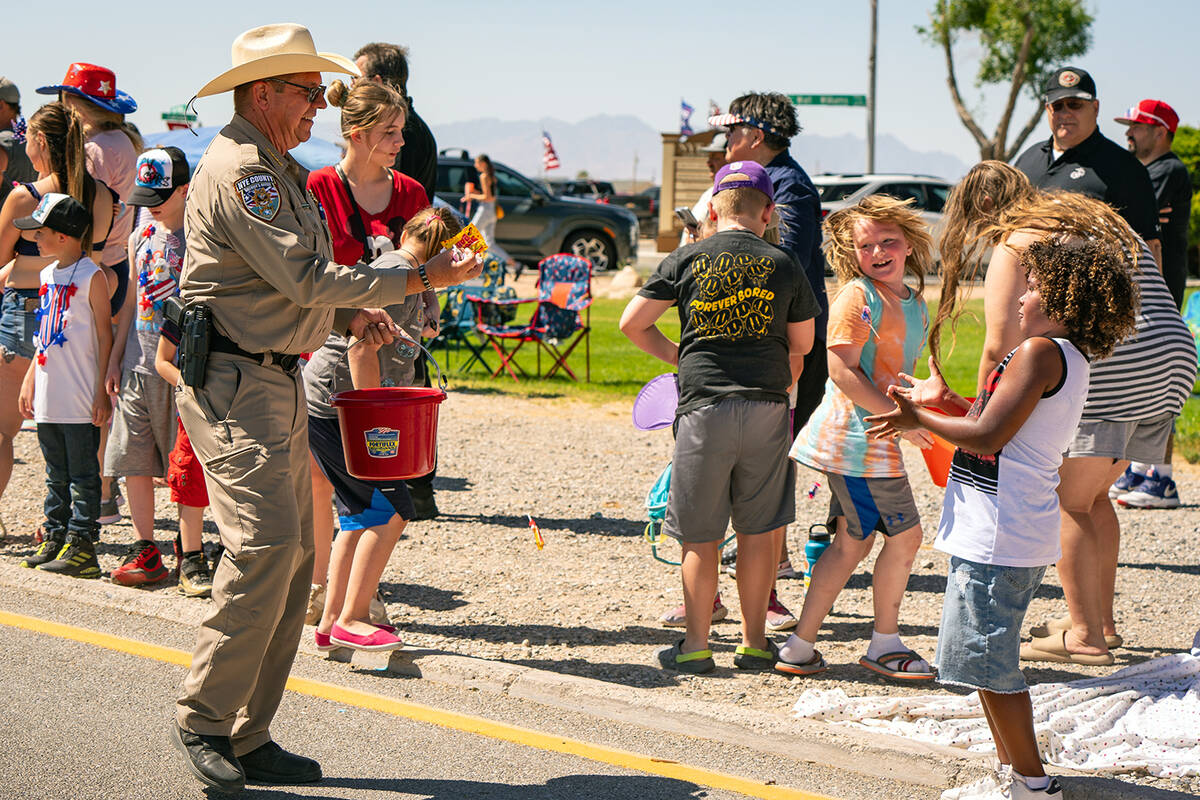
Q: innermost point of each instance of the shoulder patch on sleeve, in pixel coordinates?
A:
(259, 195)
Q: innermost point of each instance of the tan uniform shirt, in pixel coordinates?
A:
(259, 254)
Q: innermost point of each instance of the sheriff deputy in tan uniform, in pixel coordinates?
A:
(259, 259)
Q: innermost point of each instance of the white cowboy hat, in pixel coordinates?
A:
(271, 50)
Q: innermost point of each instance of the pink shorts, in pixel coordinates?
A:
(185, 476)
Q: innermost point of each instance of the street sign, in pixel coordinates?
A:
(828, 99)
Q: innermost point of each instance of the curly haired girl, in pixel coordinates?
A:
(1000, 518)
(1133, 397)
(877, 327)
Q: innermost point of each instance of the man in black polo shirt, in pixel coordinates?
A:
(1078, 158)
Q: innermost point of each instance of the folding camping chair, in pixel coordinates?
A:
(561, 320)
(463, 312)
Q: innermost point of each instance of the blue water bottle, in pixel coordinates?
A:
(819, 538)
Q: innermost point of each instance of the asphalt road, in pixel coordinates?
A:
(84, 721)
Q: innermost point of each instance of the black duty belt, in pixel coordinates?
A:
(219, 343)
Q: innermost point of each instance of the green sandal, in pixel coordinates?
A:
(695, 663)
(752, 658)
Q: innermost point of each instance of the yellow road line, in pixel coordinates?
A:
(434, 716)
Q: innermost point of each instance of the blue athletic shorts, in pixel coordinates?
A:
(360, 504)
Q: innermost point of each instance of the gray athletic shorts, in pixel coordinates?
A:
(143, 427)
(872, 504)
(731, 464)
(1142, 440)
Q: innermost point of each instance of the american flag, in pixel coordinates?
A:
(685, 118)
(549, 157)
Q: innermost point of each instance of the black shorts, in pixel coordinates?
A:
(360, 504)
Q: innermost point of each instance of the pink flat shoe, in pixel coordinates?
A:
(323, 643)
(379, 640)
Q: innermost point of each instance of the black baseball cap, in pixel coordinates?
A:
(159, 173)
(60, 213)
(1069, 82)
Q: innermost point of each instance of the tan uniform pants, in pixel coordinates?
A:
(249, 427)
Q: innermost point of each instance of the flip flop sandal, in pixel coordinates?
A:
(753, 658)
(900, 661)
(695, 663)
(1051, 627)
(1054, 650)
(811, 667)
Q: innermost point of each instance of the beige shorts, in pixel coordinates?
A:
(143, 427)
(1143, 440)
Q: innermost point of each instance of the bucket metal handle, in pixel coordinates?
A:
(441, 381)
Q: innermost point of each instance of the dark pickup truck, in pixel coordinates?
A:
(644, 205)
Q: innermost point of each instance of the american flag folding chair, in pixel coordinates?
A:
(464, 310)
(561, 320)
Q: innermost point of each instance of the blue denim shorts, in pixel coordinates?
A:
(979, 642)
(18, 326)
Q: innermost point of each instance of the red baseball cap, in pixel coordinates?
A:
(1151, 112)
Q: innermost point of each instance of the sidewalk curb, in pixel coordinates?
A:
(873, 754)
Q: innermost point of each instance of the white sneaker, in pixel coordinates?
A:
(1018, 790)
(991, 787)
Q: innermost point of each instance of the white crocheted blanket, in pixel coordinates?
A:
(1144, 718)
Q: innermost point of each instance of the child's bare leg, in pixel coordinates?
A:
(140, 500)
(1085, 549)
(375, 547)
(890, 578)
(12, 371)
(1010, 717)
(1001, 754)
(340, 560)
(699, 572)
(191, 526)
(322, 492)
(829, 577)
(757, 562)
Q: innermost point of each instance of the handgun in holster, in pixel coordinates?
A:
(195, 326)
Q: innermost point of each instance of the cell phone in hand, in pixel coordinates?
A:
(686, 216)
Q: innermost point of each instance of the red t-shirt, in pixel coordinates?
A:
(408, 197)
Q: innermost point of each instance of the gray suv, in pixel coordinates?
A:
(536, 224)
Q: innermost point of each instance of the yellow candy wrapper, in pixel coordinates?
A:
(469, 239)
(537, 533)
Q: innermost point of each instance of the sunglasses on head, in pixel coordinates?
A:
(313, 92)
(1073, 103)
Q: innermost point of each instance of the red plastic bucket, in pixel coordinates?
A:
(389, 433)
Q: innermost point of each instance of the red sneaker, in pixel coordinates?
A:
(778, 617)
(142, 566)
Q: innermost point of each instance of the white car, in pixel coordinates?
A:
(927, 192)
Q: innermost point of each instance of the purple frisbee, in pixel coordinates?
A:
(655, 405)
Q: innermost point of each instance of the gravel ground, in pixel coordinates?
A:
(473, 582)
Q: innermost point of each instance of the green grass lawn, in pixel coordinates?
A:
(619, 369)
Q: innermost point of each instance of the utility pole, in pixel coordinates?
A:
(871, 86)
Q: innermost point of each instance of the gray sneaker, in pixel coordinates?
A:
(110, 514)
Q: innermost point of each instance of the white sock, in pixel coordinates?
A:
(797, 650)
(1140, 468)
(1162, 470)
(1033, 783)
(884, 643)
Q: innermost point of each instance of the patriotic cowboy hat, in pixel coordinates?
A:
(271, 50)
(97, 84)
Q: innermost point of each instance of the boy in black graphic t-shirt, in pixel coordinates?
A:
(746, 321)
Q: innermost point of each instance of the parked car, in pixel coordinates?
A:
(537, 224)
(644, 204)
(580, 187)
(927, 192)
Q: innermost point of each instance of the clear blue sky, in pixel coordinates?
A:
(528, 60)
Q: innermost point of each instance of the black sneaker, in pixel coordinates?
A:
(195, 580)
(77, 558)
(47, 551)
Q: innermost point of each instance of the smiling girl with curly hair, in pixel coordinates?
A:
(1000, 518)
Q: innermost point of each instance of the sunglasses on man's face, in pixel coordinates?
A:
(313, 92)
(1073, 103)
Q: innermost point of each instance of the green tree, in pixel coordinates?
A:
(1187, 146)
(1022, 42)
